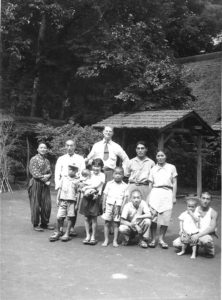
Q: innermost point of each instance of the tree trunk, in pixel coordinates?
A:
(41, 37)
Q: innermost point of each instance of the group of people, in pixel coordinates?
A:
(96, 186)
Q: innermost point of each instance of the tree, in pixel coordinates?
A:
(88, 59)
(191, 26)
(30, 30)
(55, 137)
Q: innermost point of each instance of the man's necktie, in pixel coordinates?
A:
(106, 152)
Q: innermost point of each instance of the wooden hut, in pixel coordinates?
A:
(162, 126)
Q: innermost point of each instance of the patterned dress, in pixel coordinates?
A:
(39, 192)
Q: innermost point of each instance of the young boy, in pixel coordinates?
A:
(114, 197)
(135, 220)
(67, 203)
(189, 225)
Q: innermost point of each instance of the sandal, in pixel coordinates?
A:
(86, 241)
(152, 244)
(55, 236)
(65, 238)
(93, 242)
(73, 233)
(143, 244)
(163, 245)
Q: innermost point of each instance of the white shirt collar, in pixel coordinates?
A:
(104, 141)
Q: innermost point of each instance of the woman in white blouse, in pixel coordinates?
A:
(162, 195)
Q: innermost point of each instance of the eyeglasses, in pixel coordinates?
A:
(140, 148)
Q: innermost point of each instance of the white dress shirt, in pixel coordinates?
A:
(61, 168)
(115, 150)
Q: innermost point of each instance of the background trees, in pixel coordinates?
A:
(87, 59)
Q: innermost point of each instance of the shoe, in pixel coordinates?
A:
(143, 244)
(73, 233)
(152, 244)
(163, 245)
(93, 242)
(49, 227)
(38, 228)
(55, 236)
(65, 238)
(86, 241)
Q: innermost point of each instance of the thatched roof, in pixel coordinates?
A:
(159, 119)
(203, 75)
(145, 119)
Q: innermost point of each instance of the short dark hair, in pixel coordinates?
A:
(206, 193)
(42, 143)
(161, 150)
(134, 191)
(119, 168)
(141, 143)
(97, 163)
(192, 199)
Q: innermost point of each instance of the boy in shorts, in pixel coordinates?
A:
(67, 204)
(114, 197)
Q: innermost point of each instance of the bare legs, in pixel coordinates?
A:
(162, 233)
(183, 250)
(106, 233)
(90, 223)
(163, 230)
(70, 223)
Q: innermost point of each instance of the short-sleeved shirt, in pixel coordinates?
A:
(163, 175)
(130, 212)
(68, 187)
(189, 225)
(115, 192)
(138, 170)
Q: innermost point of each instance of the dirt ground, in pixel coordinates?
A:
(33, 268)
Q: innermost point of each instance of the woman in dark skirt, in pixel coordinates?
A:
(90, 205)
(39, 189)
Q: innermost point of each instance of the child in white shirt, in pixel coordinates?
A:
(114, 197)
(189, 225)
(67, 202)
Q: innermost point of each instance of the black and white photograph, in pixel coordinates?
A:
(110, 149)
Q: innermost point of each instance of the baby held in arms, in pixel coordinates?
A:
(88, 186)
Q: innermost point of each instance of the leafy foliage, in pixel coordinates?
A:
(86, 59)
(56, 137)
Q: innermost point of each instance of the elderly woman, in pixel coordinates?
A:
(162, 195)
(39, 191)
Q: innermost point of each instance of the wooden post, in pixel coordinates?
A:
(199, 166)
(123, 142)
(161, 141)
(27, 157)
